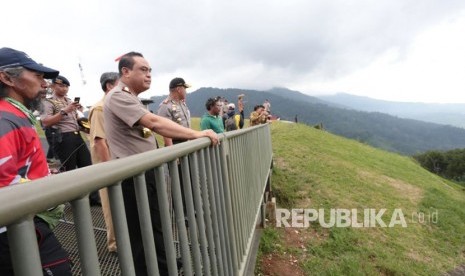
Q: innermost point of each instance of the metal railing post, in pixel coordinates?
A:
(23, 246)
(120, 224)
(223, 216)
(145, 221)
(191, 215)
(229, 214)
(208, 207)
(208, 216)
(166, 220)
(217, 184)
(181, 223)
(214, 208)
(85, 236)
(200, 213)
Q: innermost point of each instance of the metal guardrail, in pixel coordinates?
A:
(224, 190)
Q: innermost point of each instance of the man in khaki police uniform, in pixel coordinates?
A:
(100, 152)
(175, 108)
(60, 114)
(124, 119)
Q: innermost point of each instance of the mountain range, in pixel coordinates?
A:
(446, 113)
(376, 128)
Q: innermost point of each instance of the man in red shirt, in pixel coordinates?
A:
(21, 155)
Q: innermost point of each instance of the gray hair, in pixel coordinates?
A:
(13, 72)
(108, 77)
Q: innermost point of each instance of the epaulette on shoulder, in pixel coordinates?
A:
(165, 101)
(98, 108)
(52, 101)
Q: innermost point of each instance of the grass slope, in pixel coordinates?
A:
(315, 169)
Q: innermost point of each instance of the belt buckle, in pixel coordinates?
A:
(76, 132)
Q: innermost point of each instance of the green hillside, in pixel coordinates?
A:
(318, 170)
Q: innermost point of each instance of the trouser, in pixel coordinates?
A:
(53, 257)
(49, 134)
(111, 241)
(73, 153)
(132, 216)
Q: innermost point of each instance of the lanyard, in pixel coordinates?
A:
(21, 107)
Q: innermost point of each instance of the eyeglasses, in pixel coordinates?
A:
(145, 70)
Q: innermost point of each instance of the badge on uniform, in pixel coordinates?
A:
(146, 133)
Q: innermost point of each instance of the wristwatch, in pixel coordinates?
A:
(62, 112)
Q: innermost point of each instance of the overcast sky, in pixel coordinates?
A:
(404, 50)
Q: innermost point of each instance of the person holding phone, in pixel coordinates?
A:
(60, 114)
(80, 112)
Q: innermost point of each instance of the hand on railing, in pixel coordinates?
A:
(212, 135)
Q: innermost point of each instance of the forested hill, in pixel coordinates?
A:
(405, 136)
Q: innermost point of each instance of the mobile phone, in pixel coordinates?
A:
(77, 99)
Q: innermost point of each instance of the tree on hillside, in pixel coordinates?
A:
(433, 161)
(455, 160)
(449, 164)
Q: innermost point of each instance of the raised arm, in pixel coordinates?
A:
(168, 128)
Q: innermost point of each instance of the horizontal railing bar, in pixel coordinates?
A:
(20, 200)
(240, 132)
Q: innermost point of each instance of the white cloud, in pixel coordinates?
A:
(392, 49)
(429, 70)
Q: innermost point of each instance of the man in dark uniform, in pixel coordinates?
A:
(60, 115)
(174, 108)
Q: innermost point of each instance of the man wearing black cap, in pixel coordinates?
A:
(174, 107)
(21, 155)
(60, 114)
